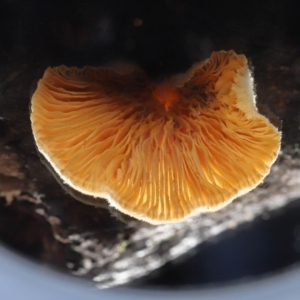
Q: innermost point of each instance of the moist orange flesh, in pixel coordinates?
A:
(195, 149)
(166, 94)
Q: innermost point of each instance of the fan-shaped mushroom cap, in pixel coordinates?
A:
(158, 153)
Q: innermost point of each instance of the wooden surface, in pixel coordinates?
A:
(38, 217)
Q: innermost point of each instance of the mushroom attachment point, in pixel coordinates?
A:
(159, 153)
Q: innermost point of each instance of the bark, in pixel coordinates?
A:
(40, 218)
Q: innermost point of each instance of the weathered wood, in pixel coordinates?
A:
(38, 216)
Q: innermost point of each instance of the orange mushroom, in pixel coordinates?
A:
(159, 153)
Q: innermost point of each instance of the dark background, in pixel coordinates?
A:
(165, 37)
(160, 36)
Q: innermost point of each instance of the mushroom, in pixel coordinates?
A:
(157, 152)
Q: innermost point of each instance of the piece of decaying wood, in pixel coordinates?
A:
(91, 241)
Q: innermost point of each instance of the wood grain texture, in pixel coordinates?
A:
(46, 222)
